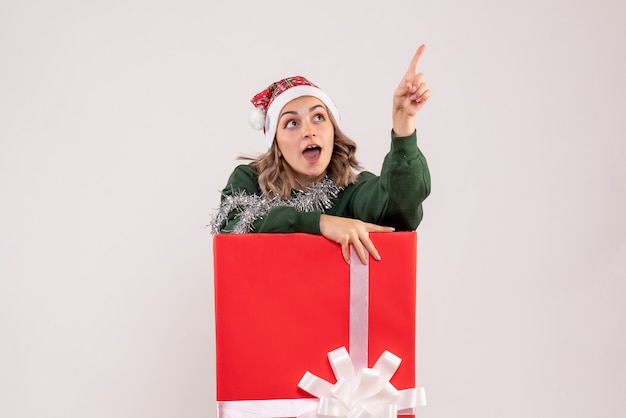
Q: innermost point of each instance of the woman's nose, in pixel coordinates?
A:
(308, 129)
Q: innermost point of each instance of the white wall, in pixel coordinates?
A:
(120, 121)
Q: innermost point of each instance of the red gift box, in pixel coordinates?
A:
(282, 302)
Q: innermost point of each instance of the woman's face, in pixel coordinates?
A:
(305, 138)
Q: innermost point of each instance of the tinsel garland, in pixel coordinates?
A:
(250, 207)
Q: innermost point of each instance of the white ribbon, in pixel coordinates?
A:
(366, 393)
(359, 309)
(276, 408)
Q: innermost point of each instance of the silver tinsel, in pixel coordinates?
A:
(250, 207)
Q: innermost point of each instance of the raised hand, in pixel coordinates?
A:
(410, 96)
(346, 231)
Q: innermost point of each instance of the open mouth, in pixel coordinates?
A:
(312, 153)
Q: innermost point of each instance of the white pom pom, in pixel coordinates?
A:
(257, 118)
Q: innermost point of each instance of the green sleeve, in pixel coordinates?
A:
(395, 197)
(278, 219)
(287, 219)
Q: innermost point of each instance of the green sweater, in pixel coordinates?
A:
(392, 199)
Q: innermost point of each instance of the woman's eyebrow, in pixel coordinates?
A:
(288, 112)
(293, 112)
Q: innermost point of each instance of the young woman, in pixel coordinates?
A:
(306, 181)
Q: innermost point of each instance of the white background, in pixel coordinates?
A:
(120, 121)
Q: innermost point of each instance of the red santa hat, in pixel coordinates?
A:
(270, 102)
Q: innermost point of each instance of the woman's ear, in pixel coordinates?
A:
(275, 144)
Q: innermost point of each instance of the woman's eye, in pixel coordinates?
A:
(290, 124)
(319, 117)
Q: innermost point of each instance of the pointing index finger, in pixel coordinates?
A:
(410, 73)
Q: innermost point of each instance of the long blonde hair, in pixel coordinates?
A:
(273, 179)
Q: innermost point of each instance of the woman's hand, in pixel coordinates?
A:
(346, 231)
(409, 97)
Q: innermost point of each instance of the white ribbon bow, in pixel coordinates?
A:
(363, 394)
